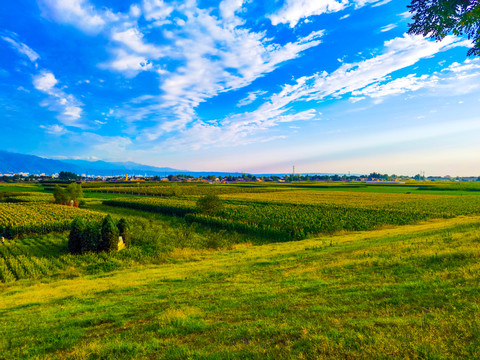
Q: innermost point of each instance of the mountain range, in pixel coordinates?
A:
(14, 163)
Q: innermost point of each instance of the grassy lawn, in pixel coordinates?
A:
(21, 187)
(399, 292)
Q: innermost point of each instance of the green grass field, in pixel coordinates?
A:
(188, 291)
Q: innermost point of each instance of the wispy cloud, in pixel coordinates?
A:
(204, 54)
(250, 98)
(293, 11)
(55, 129)
(79, 13)
(66, 104)
(388, 27)
(350, 79)
(454, 79)
(21, 48)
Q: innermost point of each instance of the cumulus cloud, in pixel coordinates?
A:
(45, 82)
(156, 9)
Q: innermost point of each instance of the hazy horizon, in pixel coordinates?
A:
(328, 86)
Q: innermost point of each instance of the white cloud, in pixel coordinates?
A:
(156, 9)
(250, 98)
(45, 82)
(133, 39)
(67, 105)
(366, 78)
(228, 8)
(468, 65)
(456, 79)
(215, 56)
(293, 11)
(380, 3)
(399, 53)
(21, 48)
(388, 27)
(211, 54)
(397, 86)
(79, 13)
(54, 129)
(128, 63)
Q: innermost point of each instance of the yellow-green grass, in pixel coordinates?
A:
(407, 292)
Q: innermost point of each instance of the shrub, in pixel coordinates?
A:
(91, 238)
(209, 203)
(77, 231)
(124, 230)
(60, 195)
(109, 235)
(73, 192)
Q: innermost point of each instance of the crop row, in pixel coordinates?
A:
(40, 256)
(28, 198)
(285, 221)
(436, 205)
(342, 198)
(16, 219)
(183, 190)
(165, 206)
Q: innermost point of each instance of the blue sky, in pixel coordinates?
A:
(237, 85)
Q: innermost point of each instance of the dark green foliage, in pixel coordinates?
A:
(74, 191)
(91, 238)
(67, 175)
(64, 196)
(61, 196)
(109, 235)
(84, 237)
(438, 18)
(209, 203)
(124, 230)
(77, 232)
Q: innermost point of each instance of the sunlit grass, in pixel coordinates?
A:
(404, 292)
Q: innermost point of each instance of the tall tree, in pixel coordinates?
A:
(438, 18)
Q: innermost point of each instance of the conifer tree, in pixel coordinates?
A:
(109, 235)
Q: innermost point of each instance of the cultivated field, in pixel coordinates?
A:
(278, 271)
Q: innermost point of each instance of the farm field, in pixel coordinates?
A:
(367, 275)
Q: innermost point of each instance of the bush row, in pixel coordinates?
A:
(92, 237)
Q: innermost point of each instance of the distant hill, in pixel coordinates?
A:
(116, 168)
(13, 163)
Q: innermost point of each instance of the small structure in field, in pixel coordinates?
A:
(121, 244)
